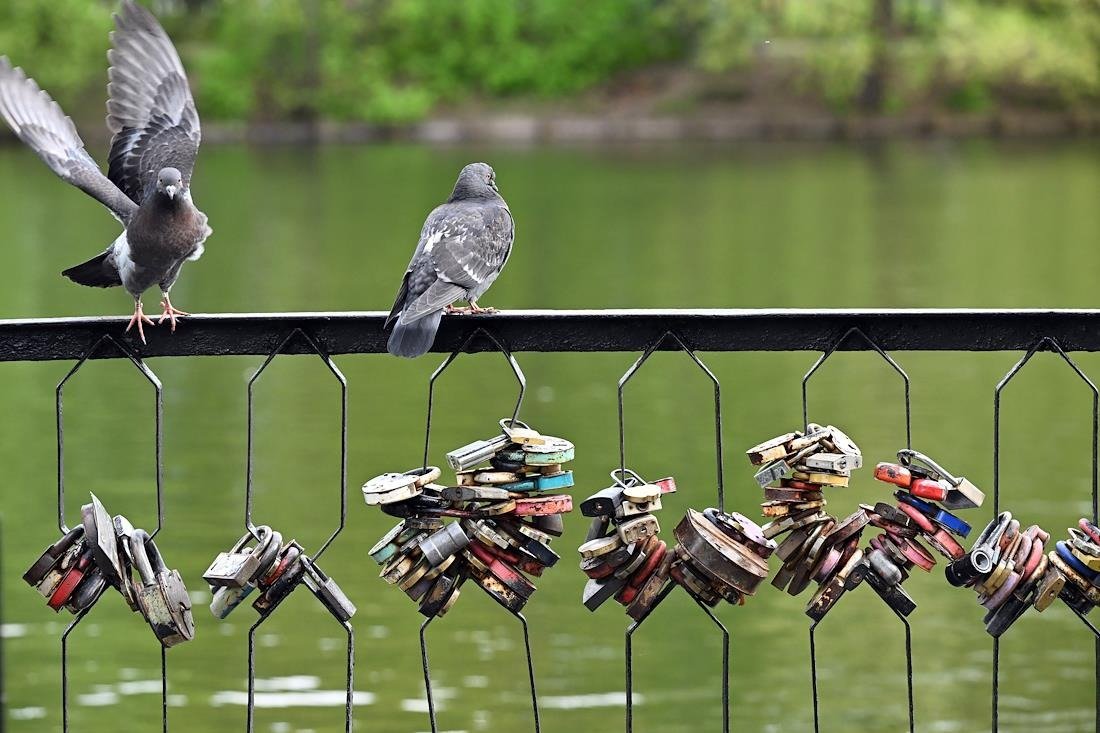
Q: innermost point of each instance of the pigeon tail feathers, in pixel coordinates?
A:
(416, 338)
(98, 272)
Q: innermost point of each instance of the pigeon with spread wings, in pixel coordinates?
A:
(463, 246)
(156, 136)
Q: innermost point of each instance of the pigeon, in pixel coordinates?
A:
(463, 246)
(155, 128)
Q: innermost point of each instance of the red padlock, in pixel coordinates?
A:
(482, 552)
(667, 484)
(70, 581)
(924, 488)
(653, 561)
(894, 474)
(922, 522)
(539, 506)
(916, 553)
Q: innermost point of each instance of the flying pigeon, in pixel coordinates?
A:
(147, 187)
(463, 246)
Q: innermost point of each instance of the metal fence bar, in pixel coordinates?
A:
(96, 348)
(313, 346)
(1046, 343)
(258, 334)
(521, 380)
(848, 336)
(679, 344)
(734, 330)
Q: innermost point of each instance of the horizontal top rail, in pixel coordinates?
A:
(233, 334)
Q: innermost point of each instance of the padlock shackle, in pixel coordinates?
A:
(906, 456)
(146, 557)
(261, 534)
(623, 476)
(512, 422)
(69, 539)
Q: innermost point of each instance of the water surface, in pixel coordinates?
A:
(902, 225)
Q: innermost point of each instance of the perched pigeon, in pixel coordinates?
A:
(463, 247)
(147, 186)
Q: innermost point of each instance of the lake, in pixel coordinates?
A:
(931, 224)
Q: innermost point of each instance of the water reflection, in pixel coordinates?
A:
(799, 226)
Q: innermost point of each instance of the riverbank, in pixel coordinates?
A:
(519, 129)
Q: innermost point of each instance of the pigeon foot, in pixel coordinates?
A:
(170, 312)
(138, 319)
(472, 308)
(475, 308)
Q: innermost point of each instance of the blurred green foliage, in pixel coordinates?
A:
(398, 60)
(963, 53)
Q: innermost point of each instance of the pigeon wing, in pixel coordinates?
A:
(41, 124)
(149, 108)
(473, 245)
(460, 248)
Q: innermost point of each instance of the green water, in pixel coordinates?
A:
(972, 224)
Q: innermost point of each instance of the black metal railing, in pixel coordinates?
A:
(689, 331)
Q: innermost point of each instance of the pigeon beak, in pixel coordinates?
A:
(171, 191)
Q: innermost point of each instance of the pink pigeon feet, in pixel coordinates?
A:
(472, 308)
(170, 312)
(139, 318)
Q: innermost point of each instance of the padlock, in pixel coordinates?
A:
(553, 450)
(443, 592)
(327, 591)
(51, 557)
(163, 597)
(773, 472)
(226, 599)
(124, 531)
(638, 528)
(543, 505)
(71, 579)
(522, 434)
(89, 590)
(236, 567)
(603, 503)
(99, 535)
(444, 543)
(473, 454)
(50, 582)
(834, 462)
(391, 488)
(281, 580)
(928, 489)
(551, 524)
(771, 450)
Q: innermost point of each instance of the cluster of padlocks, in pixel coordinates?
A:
(921, 486)
(505, 518)
(622, 555)
(103, 552)
(794, 470)
(273, 567)
(720, 556)
(505, 512)
(1078, 560)
(716, 556)
(1011, 570)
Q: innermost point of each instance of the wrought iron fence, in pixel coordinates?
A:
(689, 331)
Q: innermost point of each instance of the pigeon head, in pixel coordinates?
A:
(476, 181)
(170, 182)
